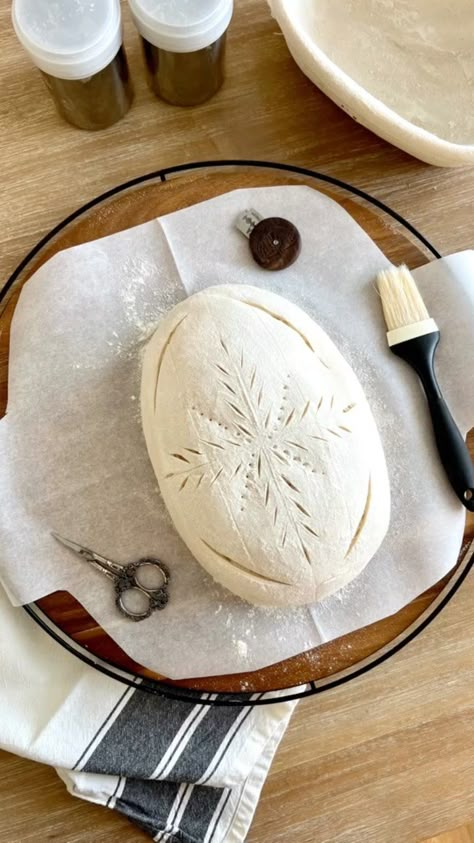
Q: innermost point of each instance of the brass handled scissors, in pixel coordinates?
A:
(141, 587)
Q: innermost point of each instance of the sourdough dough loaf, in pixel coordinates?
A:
(265, 449)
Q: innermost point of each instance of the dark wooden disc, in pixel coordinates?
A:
(275, 243)
(140, 205)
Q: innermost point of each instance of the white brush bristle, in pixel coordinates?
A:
(401, 301)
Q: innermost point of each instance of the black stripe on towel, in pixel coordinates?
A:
(147, 803)
(226, 744)
(139, 736)
(218, 816)
(101, 727)
(199, 813)
(204, 744)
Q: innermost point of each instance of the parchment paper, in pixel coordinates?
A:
(73, 457)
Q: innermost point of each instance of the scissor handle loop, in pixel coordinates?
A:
(127, 581)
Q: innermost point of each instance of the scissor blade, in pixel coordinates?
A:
(106, 566)
(77, 548)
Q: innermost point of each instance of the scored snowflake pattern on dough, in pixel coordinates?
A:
(256, 443)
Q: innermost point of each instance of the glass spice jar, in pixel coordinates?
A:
(77, 46)
(184, 46)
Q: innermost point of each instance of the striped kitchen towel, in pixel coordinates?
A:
(182, 771)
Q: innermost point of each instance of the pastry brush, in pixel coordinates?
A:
(414, 336)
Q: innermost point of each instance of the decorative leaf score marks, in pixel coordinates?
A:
(262, 447)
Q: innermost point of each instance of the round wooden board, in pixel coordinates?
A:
(140, 204)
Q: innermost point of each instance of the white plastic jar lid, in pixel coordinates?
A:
(70, 39)
(181, 26)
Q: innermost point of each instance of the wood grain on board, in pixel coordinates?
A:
(387, 757)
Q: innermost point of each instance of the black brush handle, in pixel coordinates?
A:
(455, 457)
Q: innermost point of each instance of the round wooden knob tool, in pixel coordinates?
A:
(275, 243)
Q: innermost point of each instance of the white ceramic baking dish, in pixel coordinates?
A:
(402, 68)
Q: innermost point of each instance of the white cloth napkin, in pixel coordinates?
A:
(182, 771)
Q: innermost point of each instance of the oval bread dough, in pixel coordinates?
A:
(265, 449)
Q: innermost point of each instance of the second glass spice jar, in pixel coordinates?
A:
(184, 46)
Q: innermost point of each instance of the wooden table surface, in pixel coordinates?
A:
(389, 757)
